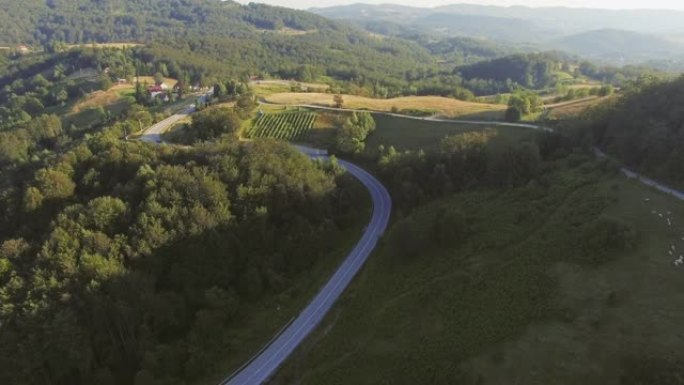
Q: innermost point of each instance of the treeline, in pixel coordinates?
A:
(644, 128)
(540, 71)
(125, 263)
(465, 161)
(533, 71)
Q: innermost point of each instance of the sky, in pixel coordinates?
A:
(611, 4)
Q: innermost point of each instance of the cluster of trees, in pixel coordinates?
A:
(213, 123)
(123, 263)
(523, 103)
(568, 94)
(28, 87)
(352, 133)
(619, 77)
(533, 71)
(230, 90)
(464, 161)
(210, 33)
(643, 128)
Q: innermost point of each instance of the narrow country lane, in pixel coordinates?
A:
(265, 364)
(267, 361)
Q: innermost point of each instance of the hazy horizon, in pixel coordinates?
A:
(598, 4)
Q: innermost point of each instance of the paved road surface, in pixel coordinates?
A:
(645, 180)
(265, 364)
(262, 366)
(153, 134)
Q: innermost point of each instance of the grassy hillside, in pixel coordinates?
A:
(410, 134)
(531, 286)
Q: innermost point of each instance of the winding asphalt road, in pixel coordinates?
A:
(153, 133)
(264, 365)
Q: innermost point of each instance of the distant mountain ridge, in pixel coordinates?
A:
(616, 44)
(565, 20)
(605, 35)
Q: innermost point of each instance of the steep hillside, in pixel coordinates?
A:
(223, 34)
(645, 129)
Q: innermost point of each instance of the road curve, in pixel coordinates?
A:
(153, 134)
(264, 365)
(631, 174)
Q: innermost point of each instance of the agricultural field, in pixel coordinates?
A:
(412, 134)
(572, 109)
(426, 105)
(284, 126)
(103, 98)
(275, 86)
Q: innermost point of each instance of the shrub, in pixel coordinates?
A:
(604, 237)
(450, 227)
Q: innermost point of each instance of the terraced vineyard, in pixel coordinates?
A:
(284, 126)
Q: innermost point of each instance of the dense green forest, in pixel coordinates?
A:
(539, 71)
(128, 263)
(100, 270)
(644, 128)
(228, 40)
(253, 39)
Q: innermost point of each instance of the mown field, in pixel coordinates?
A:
(407, 133)
(573, 108)
(426, 105)
(531, 291)
(284, 126)
(268, 87)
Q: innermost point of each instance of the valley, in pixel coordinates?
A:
(211, 192)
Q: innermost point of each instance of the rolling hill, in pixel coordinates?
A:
(604, 35)
(616, 44)
(220, 35)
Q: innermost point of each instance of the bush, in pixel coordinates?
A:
(209, 124)
(450, 227)
(513, 115)
(406, 238)
(604, 237)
